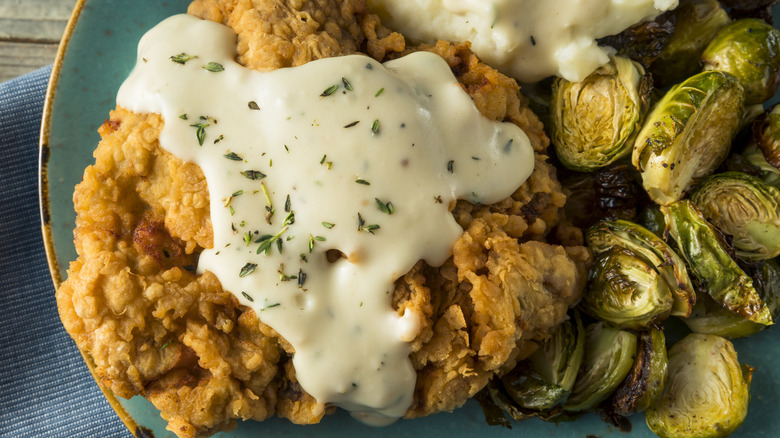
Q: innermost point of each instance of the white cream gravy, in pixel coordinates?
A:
(527, 39)
(350, 155)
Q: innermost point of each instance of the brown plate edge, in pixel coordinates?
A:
(43, 194)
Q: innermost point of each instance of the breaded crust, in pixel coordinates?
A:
(154, 328)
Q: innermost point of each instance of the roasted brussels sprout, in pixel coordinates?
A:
(606, 235)
(706, 393)
(766, 135)
(609, 356)
(688, 134)
(594, 122)
(697, 22)
(558, 359)
(750, 50)
(647, 377)
(705, 251)
(744, 207)
(538, 385)
(651, 218)
(626, 291)
(709, 317)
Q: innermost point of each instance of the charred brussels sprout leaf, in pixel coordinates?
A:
(766, 134)
(651, 218)
(609, 356)
(645, 382)
(688, 134)
(750, 50)
(645, 41)
(626, 291)
(744, 207)
(594, 122)
(697, 22)
(706, 394)
(606, 235)
(717, 274)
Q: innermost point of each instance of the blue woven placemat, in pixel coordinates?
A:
(45, 387)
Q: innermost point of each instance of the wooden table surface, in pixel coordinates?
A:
(30, 31)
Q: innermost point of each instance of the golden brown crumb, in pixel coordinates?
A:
(155, 328)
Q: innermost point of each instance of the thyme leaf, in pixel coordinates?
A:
(385, 207)
(247, 269)
(346, 83)
(253, 174)
(363, 182)
(214, 67)
(253, 105)
(330, 90)
(247, 296)
(200, 133)
(182, 58)
(233, 156)
(349, 125)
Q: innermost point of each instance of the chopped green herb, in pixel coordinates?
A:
(450, 165)
(286, 148)
(183, 116)
(247, 269)
(267, 240)
(289, 219)
(301, 277)
(200, 133)
(253, 105)
(508, 145)
(247, 296)
(283, 276)
(323, 159)
(182, 58)
(269, 306)
(233, 156)
(346, 83)
(232, 210)
(349, 125)
(248, 238)
(303, 258)
(330, 90)
(279, 245)
(214, 67)
(475, 158)
(328, 225)
(375, 127)
(219, 139)
(385, 207)
(287, 204)
(237, 193)
(371, 228)
(253, 174)
(362, 181)
(381, 90)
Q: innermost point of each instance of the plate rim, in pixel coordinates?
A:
(44, 153)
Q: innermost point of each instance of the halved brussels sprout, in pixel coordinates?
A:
(697, 23)
(626, 291)
(706, 394)
(744, 207)
(537, 386)
(705, 251)
(606, 235)
(594, 122)
(750, 50)
(709, 317)
(766, 134)
(609, 356)
(558, 359)
(646, 381)
(688, 134)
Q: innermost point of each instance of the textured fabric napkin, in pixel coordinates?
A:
(45, 387)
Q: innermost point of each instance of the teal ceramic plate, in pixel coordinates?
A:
(97, 53)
